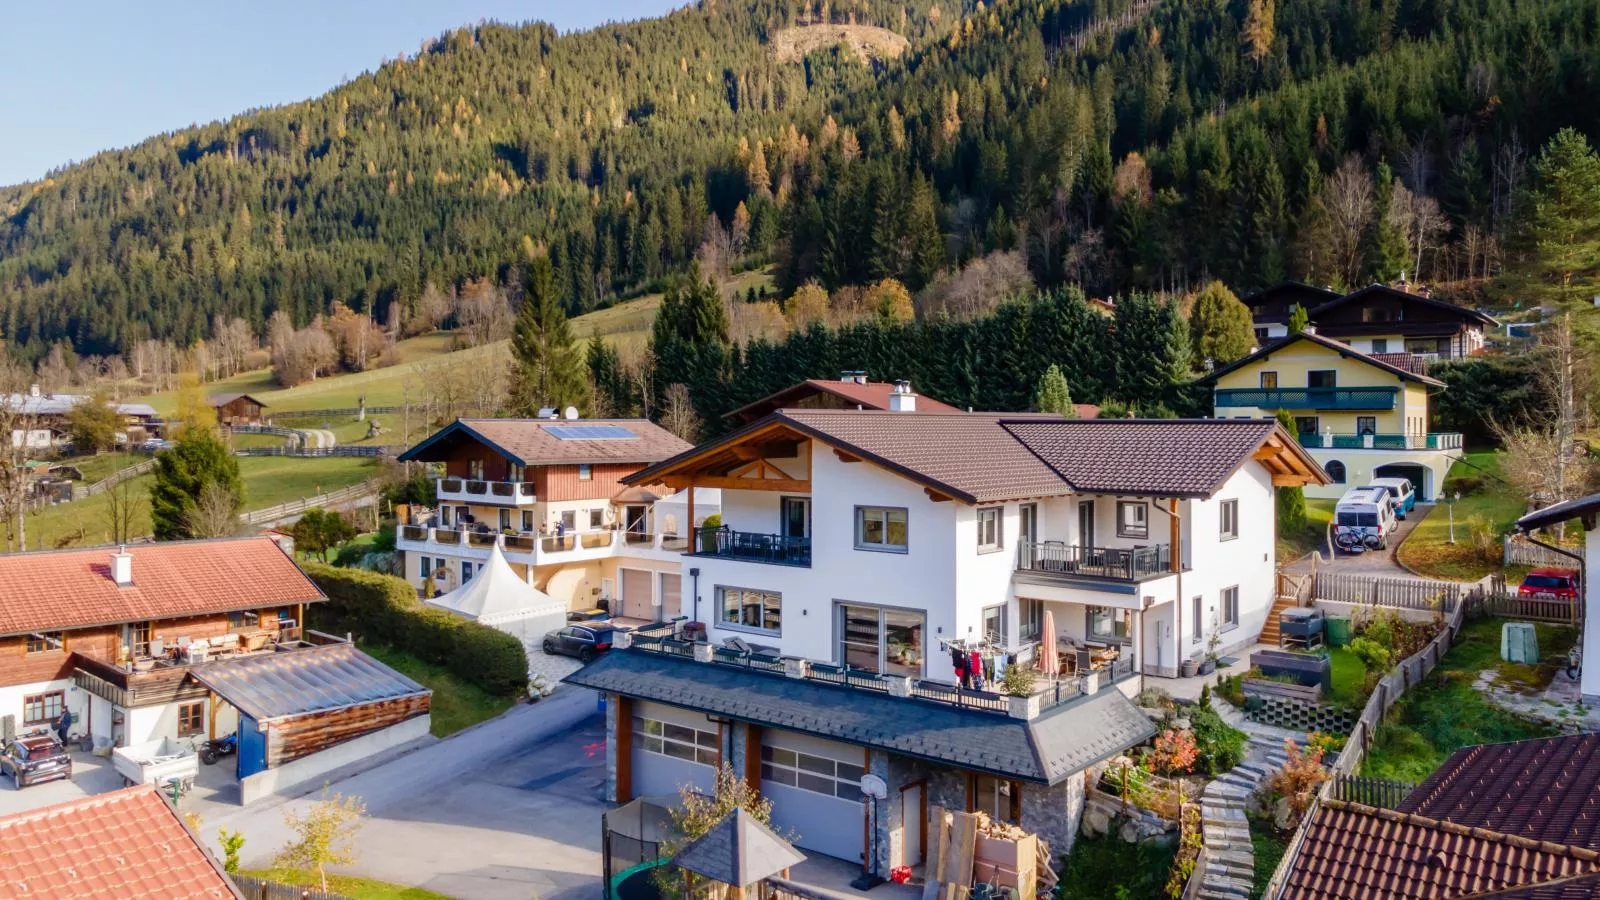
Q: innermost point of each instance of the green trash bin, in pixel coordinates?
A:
(1338, 632)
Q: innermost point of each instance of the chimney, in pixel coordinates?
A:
(122, 567)
(902, 399)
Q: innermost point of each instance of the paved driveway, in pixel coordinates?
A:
(1372, 562)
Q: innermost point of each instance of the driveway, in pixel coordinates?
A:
(1372, 562)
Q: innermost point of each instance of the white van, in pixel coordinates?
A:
(1363, 519)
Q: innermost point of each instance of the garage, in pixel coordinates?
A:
(1416, 474)
(815, 789)
(673, 748)
(671, 595)
(637, 601)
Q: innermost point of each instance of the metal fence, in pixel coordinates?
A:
(261, 889)
(1380, 792)
(1401, 593)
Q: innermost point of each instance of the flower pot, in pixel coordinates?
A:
(1208, 666)
(1188, 668)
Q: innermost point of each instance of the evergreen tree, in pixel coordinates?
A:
(549, 365)
(1299, 319)
(923, 235)
(1052, 395)
(1152, 351)
(198, 464)
(1291, 501)
(612, 393)
(1221, 328)
(1561, 242)
(689, 341)
(1389, 253)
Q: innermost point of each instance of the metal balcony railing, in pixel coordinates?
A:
(753, 547)
(1118, 563)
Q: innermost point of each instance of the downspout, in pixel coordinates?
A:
(1175, 564)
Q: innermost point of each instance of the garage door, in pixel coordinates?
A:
(636, 595)
(1417, 475)
(672, 748)
(815, 789)
(671, 595)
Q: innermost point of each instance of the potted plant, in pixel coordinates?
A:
(1189, 668)
(708, 532)
(1209, 664)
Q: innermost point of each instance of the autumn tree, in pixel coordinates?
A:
(93, 423)
(323, 835)
(808, 305)
(320, 530)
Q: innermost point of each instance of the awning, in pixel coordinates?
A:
(299, 682)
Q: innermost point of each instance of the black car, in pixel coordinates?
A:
(30, 759)
(583, 641)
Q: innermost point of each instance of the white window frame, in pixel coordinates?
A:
(585, 472)
(1228, 603)
(1139, 530)
(993, 520)
(597, 518)
(1030, 619)
(1228, 516)
(1198, 612)
(655, 736)
(746, 595)
(881, 515)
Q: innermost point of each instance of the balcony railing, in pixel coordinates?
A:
(753, 547)
(1370, 398)
(1448, 440)
(530, 542)
(496, 492)
(1117, 563)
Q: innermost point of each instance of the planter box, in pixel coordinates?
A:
(1007, 854)
(1306, 669)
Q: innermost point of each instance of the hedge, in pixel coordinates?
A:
(385, 610)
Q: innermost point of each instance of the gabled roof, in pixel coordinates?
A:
(1351, 850)
(300, 682)
(225, 399)
(538, 442)
(1383, 290)
(1321, 295)
(739, 851)
(868, 395)
(66, 589)
(1046, 750)
(1547, 789)
(1338, 347)
(128, 844)
(1579, 508)
(61, 404)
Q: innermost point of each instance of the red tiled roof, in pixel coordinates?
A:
(1380, 854)
(1547, 789)
(66, 589)
(128, 844)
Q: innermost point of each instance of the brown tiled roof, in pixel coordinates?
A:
(1163, 457)
(530, 442)
(1411, 362)
(1547, 789)
(872, 395)
(128, 844)
(1354, 851)
(65, 589)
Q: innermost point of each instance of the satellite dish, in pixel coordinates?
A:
(570, 413)
(874, 787)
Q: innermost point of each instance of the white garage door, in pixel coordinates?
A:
(671, 595)
(815, 789)
(636, 602)
(672, 748)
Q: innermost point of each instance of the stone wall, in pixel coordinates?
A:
(1053, 813)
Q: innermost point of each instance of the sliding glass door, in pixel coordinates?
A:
(880, 639)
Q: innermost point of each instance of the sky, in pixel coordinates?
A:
(81, 76)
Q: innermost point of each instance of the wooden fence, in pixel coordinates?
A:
(1557, 610)
(1400, 593)
(115, 478)
(1519, 551)
(260, 889)
(295, 507)
(1380, 792)
(337, 413)
(369, 450)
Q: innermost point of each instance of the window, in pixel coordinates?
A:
(1269, 380)
(1030, 619)
(1306, 426)
(466, 571)
(881, 528)
(1108, 624)
(514, 472)
(45, 642)
(1133, 519)
(1196, 611)
(989, 529)
(818, 774)
(1230, 520)
(597, 518)
(475, 469)
(585, 472)
(139, 639)
(569, 520)
(1428, 345)
(997, 797)
(1230, 608)
(249, 618)
(676, 741)
(527, 520)
(1335, 470)
(1322, 378)
(1261, 335)
(505, 520)
(1366, 424)
(191, 719)
(41, 709)
(746, 608)
(1380, 345)
(994, 624)
(426, 571)
(879, 639)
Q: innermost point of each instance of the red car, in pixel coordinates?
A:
(1551, 583)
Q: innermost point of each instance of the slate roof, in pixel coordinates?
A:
(1351, 850)
(128, 844)
(1547, 789)
(64, 589)
(1466, 313)
(871, 395)
(299, 682)
(1044, 750)
(739, 851)
(1578, 508)
(1341, 348)
(528, 442)
(1161, 457)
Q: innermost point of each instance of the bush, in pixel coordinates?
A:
(1221, 746)
(1018, 681)
(386, 610)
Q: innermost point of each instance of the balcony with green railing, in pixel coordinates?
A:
(1433, 440)
(1355, 398)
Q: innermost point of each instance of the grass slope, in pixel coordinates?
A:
(455, 704)
(1488, 505)
(1312, 537)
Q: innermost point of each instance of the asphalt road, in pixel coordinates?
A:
(1372, 562)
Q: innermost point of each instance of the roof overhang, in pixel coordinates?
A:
(1288, 462)
(736, 461)
(449, 436)
(1585, 508)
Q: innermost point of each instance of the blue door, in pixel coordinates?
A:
(252, 747)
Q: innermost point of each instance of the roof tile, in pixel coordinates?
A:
(1162, 457)
(529, 442)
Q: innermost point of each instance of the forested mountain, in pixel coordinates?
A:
(1117, 144)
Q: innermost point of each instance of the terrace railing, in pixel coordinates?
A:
(1119, 563)
(750, 546)
(1369, 398)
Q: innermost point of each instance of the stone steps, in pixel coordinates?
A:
(1229, 872)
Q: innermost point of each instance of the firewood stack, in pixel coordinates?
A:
(968, 849)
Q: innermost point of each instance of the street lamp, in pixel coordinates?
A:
(1450, 506)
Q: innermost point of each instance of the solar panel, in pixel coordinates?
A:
(590, 433)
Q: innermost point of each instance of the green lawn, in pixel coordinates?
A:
(1488, 508)
(101, 465)
(455, 704)
(347, 885)
(1445, 712)
(1110, 869)
(1349, 678)
(1269, 847)
(1313, 537)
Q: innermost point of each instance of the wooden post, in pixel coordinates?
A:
(624, 747)
(211, 706)
(1177, 537)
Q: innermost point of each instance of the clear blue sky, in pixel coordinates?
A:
(80, 77)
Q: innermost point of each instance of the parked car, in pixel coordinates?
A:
(1363, 519)
(1561, 584)
(583, 641)
(154, 445)
(32, 758)
(1401, 492)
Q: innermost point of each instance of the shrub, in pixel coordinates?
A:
(1297, 781)
(1175, 752)
(1375, 656)
(1018, 681)
(1221, 747)
(385, 609)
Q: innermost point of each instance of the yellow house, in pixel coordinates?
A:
(1361, 417)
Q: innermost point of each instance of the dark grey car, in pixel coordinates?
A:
(30, 759)
(583, 641)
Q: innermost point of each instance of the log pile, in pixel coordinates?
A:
(968, 850)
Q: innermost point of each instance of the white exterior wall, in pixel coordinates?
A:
(11, 698)
(1360, 464)
(1249, 561)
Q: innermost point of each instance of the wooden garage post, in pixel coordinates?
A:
(752, 756)
(624, 747)
(211, 706)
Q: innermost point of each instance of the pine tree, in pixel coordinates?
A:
(1299, 319)
(198, 464)
(1561, 241)
(1221, 328)
(1152, 351)
(1052, 395)
(1387, 259)
(549, 366)
(923, 235)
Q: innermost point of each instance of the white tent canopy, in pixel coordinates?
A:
(675, 509)
(498, 597)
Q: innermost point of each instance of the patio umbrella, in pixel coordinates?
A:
(1050, 664)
